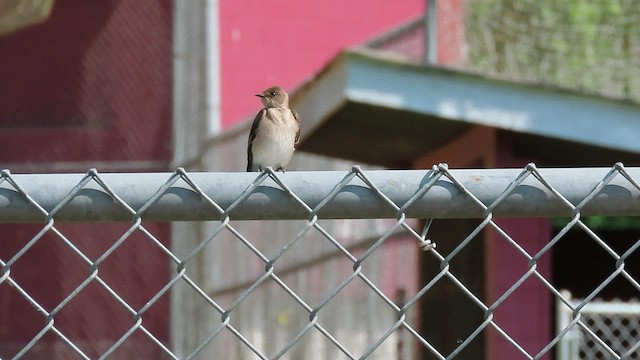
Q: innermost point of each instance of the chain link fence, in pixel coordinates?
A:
(250, 292)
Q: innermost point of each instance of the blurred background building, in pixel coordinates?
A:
(140, 85)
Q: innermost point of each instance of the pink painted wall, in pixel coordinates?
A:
(526, 314)
(285, 42)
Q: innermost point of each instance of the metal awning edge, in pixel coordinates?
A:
(370, 77)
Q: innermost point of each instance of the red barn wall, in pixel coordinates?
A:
(92, 83)
(264, 43)
(91, 86)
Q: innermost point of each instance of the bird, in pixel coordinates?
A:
(275, 132)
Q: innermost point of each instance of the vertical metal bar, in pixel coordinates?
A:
(212, 66)
(431, 33)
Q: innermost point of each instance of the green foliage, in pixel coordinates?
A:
(586, 45)
(603, 223)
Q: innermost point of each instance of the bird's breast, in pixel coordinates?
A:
(280, 123)
(275, 136)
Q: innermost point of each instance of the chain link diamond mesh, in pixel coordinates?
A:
(278, 306)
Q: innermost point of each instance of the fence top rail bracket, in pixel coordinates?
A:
(435, 193)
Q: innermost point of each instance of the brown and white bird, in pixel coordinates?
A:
(275, 132)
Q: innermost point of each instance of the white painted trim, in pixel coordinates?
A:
(196, 77)
(212, 67)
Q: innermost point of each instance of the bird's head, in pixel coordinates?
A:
(274, 97)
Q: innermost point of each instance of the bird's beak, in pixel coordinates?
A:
(260, 95)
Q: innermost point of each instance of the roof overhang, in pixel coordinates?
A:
(18, 14)
(368, 107)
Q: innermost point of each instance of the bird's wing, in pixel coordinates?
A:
(252, 136)
(297, 117)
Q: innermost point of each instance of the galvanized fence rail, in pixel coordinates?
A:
(225, 198)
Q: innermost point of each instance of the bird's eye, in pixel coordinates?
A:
(273, 94)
